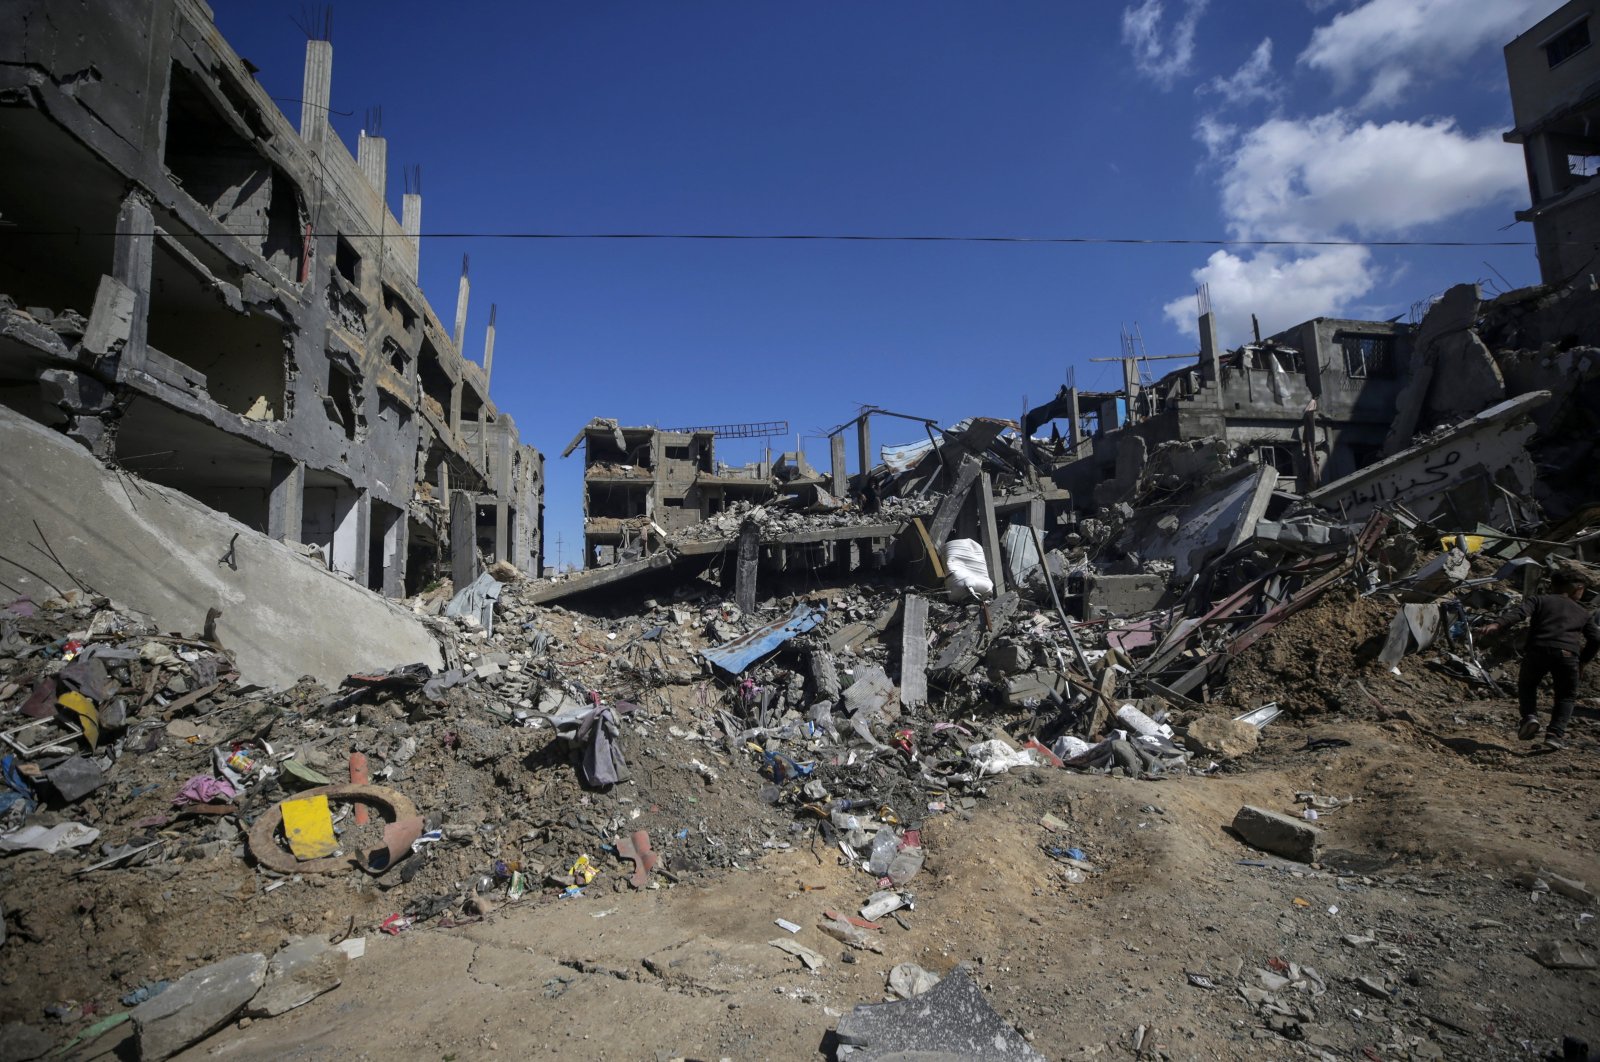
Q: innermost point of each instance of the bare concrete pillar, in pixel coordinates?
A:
(411, 223)
(841, 476)
(462, 291)
(488, 349)
(989, 532)
(455, 406)
(1076, 416)
(372, 153)
(316, 90)
(1210, 353)
(133, 253)
(502, 532)
(363, 537)
(394, 554)
(464, 567)
(744, 579)
(864, 446)
(286, 500)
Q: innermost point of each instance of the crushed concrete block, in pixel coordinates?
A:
(1123, 595)
(1008, 658)
(197, 1005)
(951, 1020)
(301, 971)
(1278, 834)
(1224, 738)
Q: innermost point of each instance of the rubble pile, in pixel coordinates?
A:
(596, 733)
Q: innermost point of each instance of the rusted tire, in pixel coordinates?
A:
(393, 806)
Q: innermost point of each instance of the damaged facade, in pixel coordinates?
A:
(221, 303)
(642, 485)
(1554, 71)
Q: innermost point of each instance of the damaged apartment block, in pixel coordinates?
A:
(223, 304)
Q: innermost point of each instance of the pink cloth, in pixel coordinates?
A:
(203, 789)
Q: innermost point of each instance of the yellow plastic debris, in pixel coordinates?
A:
(88, 718)
(308, 824)
(582, 871)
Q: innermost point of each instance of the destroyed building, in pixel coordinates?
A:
(934, 703)
(1313, 402)
(225, 305)
(1554, 72)
(644, 484)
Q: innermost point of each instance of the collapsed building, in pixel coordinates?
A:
(643, 484)
(223, 304)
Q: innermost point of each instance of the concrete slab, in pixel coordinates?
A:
(197, 1005)
(157, 550)
(950, 1021)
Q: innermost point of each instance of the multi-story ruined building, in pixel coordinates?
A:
(225, 304)
(1315, 402)
(642, 485)
(1554, 71)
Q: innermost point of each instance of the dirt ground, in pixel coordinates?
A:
(1417, 893)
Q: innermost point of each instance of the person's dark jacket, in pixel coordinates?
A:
(1556, 622)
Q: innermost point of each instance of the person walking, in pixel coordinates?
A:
(1562, 637)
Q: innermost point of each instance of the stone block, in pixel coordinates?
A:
(1224, 738)
(1278, 834)
(197, 1005)
(301, 971)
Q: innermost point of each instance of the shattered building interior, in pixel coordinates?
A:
(224, 304)
(986, 706)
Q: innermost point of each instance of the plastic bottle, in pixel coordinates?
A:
(905, 865)
(884, 846)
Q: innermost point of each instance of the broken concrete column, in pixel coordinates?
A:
(463, 292)
(864, 446)
(133, 256)
(840, 476)
(315, 91)
(286, 500)
(88, 404)
(1452, 316)
(747, 557)
(464, 563)
(372, 154)
(1278, 834)
(197, 1005)
(411, 223)
(111, 320)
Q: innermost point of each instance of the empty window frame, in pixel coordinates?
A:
(1567, 42)
(1262, 358)
(1367, 356)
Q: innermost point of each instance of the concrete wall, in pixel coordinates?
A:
(1536, 86)
(158, 551)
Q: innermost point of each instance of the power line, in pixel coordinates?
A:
(852, 238)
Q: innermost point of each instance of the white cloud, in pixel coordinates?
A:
(1331, 177)
(1162, 57)
(1386, 45)
(1281, 287)
(1254, 80)
(1298, 179)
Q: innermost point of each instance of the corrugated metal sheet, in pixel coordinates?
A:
(733, 657)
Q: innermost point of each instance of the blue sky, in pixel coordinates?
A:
(1162, 119)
